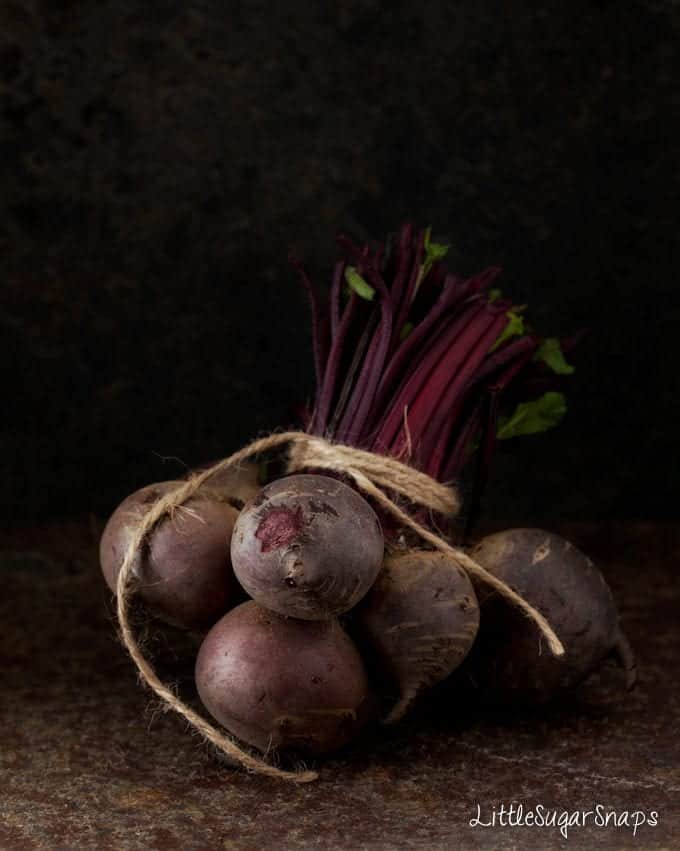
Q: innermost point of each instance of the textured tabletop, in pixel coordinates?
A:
(87, 761)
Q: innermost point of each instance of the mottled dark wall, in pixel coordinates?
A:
(157, 162)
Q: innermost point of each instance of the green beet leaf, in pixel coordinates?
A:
(433, 251)
(533, 417)
(514, 328)
(406, 330)
(355, 282)
(550, 353)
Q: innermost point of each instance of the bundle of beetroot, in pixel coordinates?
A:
(340, 593)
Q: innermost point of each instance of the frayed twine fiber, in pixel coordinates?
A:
(373, 475)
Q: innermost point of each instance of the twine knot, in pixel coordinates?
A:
(387, 473)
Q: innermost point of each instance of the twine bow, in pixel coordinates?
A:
(378, 477)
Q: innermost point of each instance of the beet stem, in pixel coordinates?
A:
(402, 310)
(451, 296)
(432, 406)
(332, 367)
(317, 341)
(351, 426)
(465, 433)
(346, 391)
(420, 374)
(336, 295)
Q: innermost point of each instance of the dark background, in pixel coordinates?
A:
(156, 166)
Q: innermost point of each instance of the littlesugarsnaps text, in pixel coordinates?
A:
(540, 816)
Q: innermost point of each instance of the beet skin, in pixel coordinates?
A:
(307, 546)
(418, 622)
(281, 683)
(509, 662)
(184, 574)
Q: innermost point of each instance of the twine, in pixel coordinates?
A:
(373, 475)
(387, 473)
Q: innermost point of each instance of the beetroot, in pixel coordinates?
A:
(281, 683)
(184, 573)
(508, 662)
(418, 622)
(307, 546)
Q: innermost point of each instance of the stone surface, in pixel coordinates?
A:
(87, 762)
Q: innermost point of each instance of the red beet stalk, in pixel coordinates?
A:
(417, 365)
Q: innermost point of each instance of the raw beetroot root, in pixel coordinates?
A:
(307, 546)
(184, 571)
(417, 623)
(284, 684)
(508, 663)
